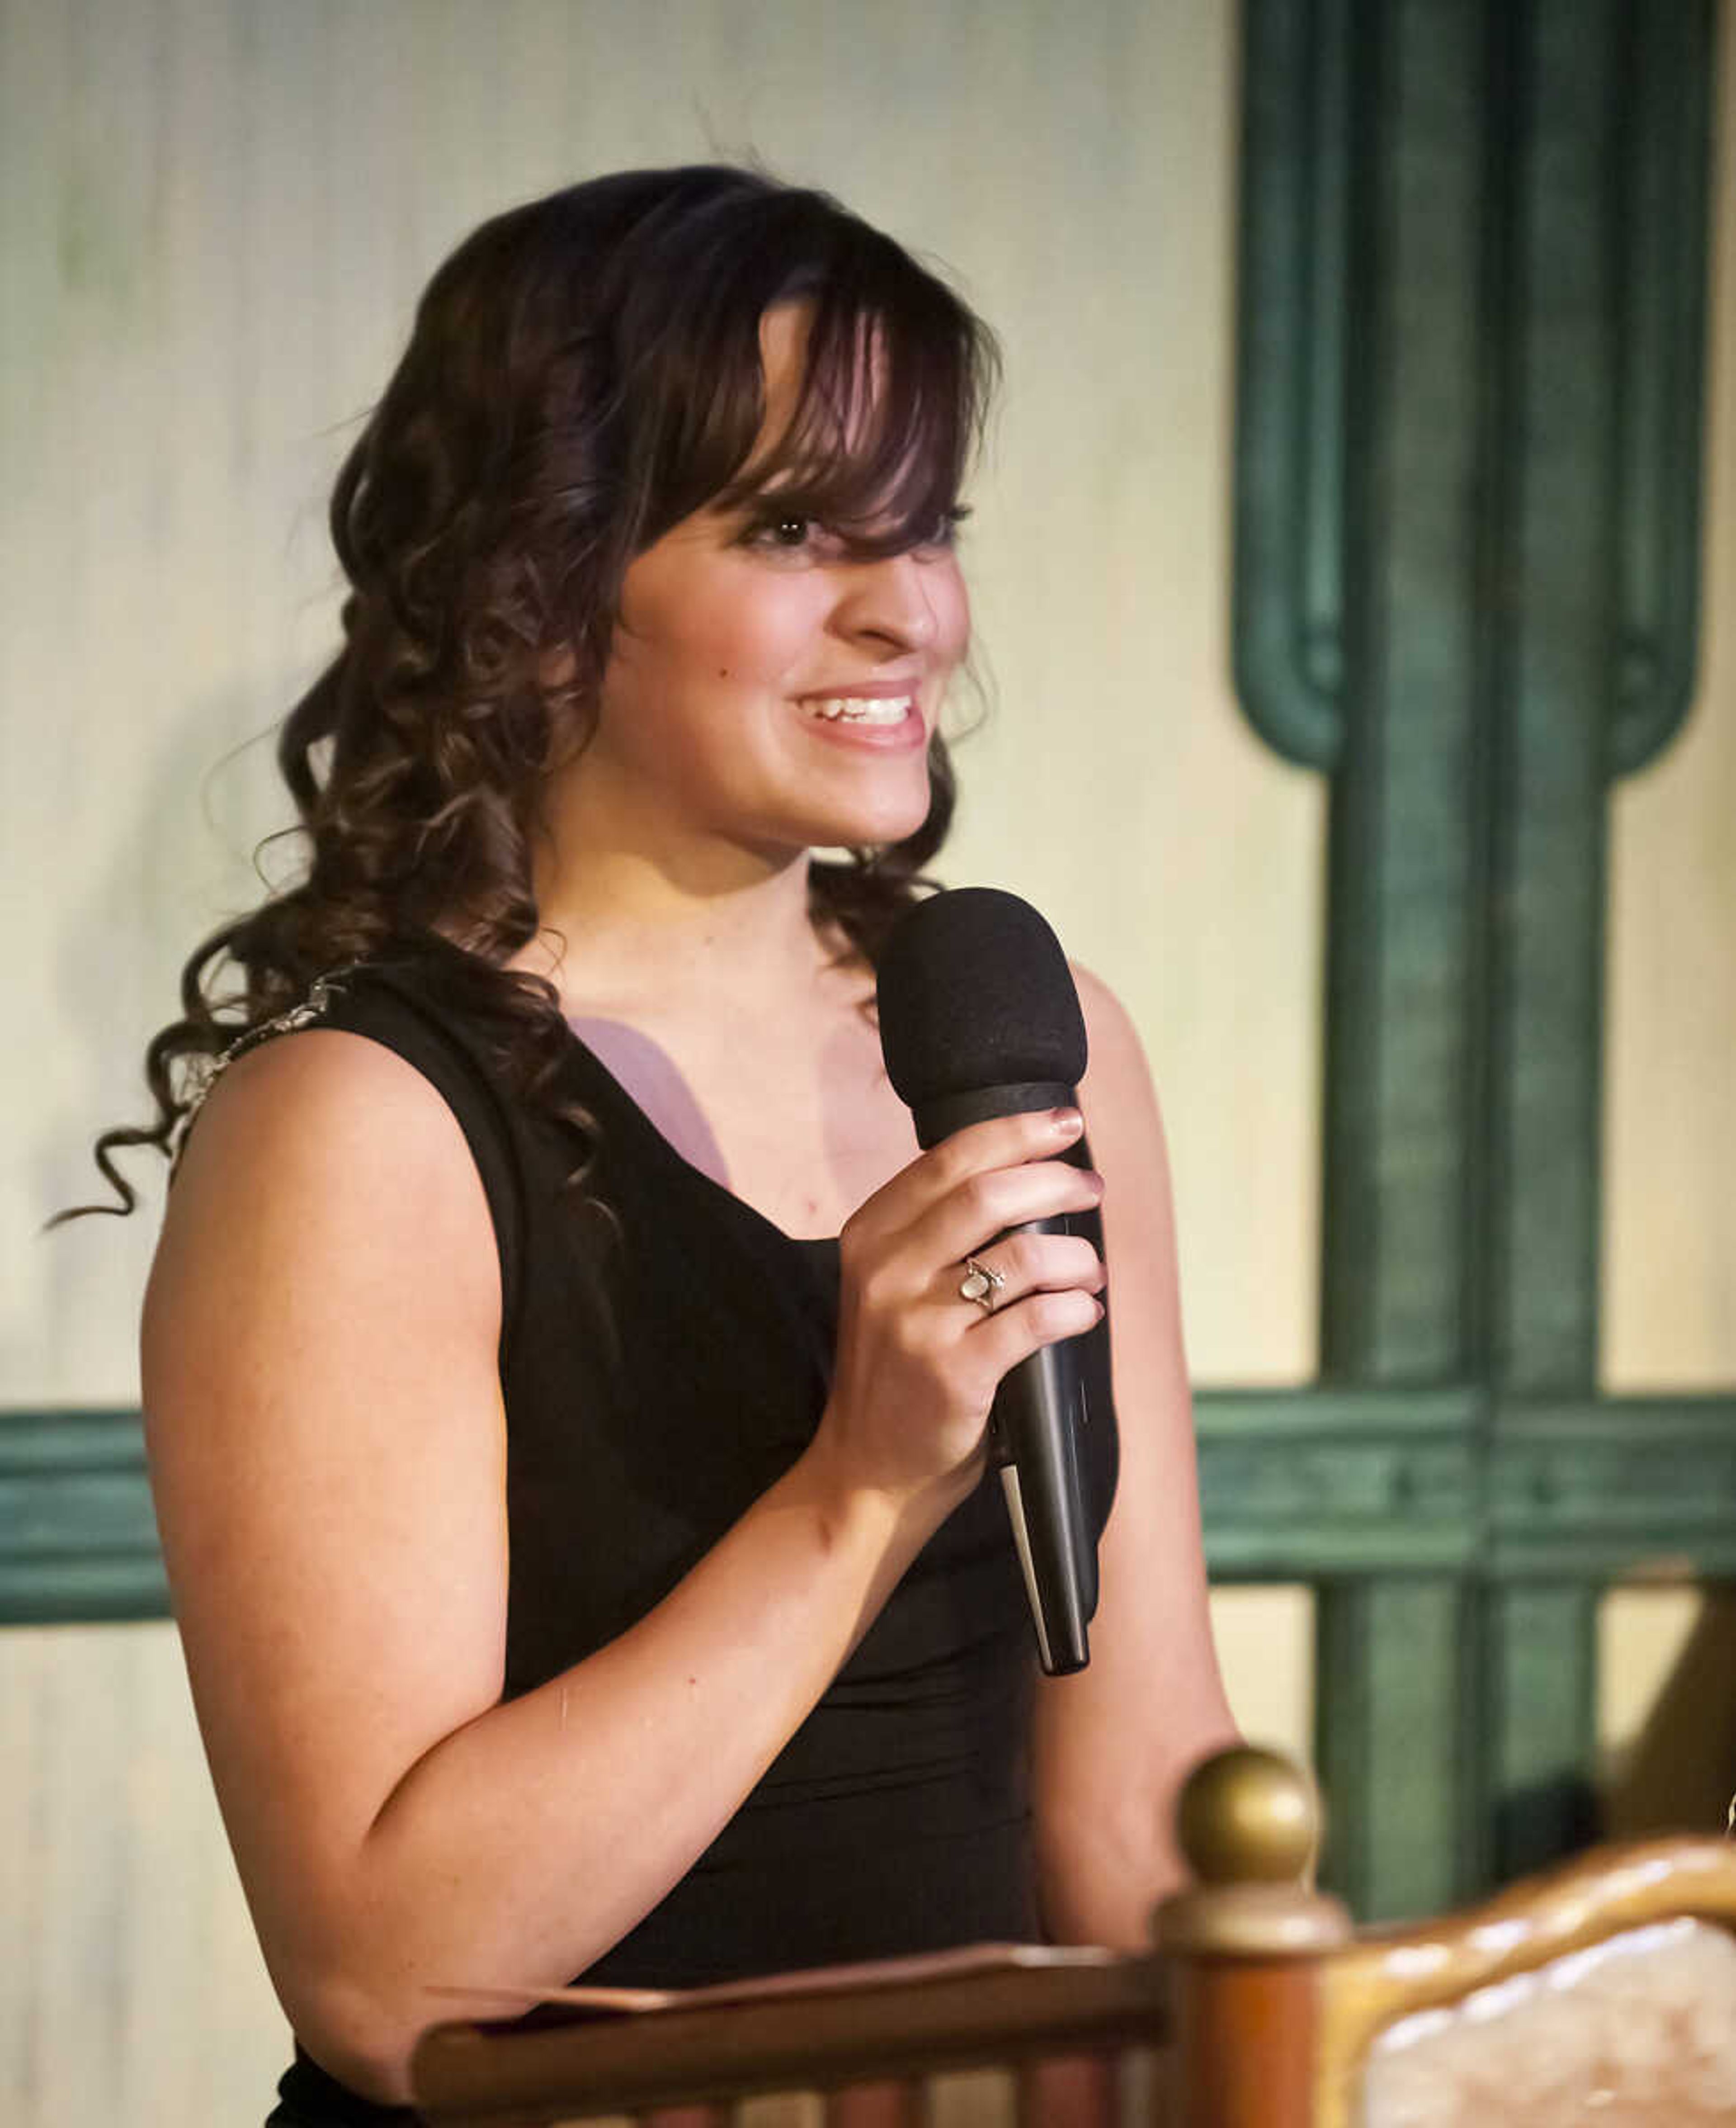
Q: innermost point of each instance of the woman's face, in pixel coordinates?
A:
(737, 635)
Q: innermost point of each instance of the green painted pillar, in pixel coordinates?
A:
(1594, 553)
(1468, 440)
(1402, 1834)
(1539, 1674)
(1358, 653)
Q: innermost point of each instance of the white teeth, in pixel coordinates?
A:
(862, 709)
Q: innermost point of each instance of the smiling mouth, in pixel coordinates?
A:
(861, 708)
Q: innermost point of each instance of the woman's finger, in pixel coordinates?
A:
(982, 1208)
(994, 1278)
(1002, 1142)
(1013, 1334)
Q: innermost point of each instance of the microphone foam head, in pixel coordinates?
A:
(974, 991)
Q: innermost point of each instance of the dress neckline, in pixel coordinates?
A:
(818, 1245)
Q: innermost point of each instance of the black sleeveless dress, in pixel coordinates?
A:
(662, 1363)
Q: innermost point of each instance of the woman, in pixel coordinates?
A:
(565, 1422)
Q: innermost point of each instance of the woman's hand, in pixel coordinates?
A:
(917, 1364)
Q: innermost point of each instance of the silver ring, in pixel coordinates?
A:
(980, 1284)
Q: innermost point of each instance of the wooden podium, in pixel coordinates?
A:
(1604, 1990)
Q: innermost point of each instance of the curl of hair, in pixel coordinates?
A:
(584, 371)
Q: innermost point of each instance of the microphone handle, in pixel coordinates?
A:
(1034, 1438)
(1039, 1410)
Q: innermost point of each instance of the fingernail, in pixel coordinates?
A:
(1066, 1123)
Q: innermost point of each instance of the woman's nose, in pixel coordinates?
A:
(891, 598)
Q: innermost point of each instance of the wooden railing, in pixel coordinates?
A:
(1257, 2008)
(1222, 2008)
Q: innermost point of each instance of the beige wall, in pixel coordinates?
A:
(1669, 1283)
(1669, 1287)
(214, 222)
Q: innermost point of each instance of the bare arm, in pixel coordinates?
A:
(327, 1453)
(1112, 1743)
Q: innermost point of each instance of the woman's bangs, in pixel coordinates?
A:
(874, 448)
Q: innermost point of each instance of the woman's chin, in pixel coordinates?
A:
(875, 826)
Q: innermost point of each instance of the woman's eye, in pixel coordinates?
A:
(790, 534)
(772, 531)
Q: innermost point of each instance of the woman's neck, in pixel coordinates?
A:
(625, 932)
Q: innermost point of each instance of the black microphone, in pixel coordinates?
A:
(979, 1018)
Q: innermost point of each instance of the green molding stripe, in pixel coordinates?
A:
(1607, 1491)
(1303, 1484)
(77, 1537)
(1309, 1484)
(1295, 1484)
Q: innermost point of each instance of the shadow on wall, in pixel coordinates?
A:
(1679, 1774)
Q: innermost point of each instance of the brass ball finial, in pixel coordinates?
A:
(1248, 1817)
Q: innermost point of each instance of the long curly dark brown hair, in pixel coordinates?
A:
(584, 372)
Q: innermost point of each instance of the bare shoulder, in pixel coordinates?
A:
(321, 1096)
(325, 1215)
(315, 1152)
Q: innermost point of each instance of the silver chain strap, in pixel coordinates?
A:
(203, 1072)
